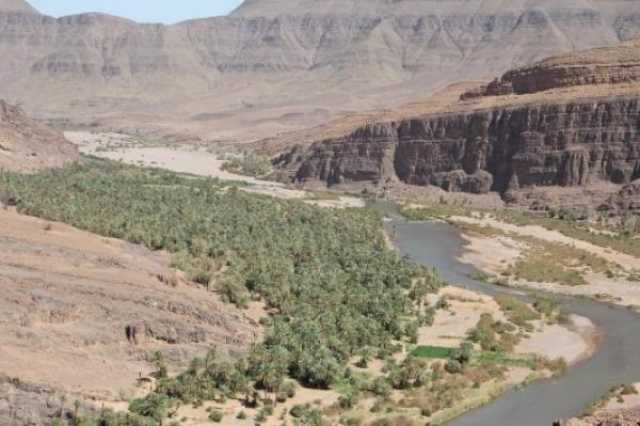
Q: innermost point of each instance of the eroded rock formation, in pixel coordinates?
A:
(567, 144)
(609, 65)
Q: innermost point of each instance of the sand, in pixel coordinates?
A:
(451, 326)
(623, 260)
(193, 160)
(573, 342)
(494, 254)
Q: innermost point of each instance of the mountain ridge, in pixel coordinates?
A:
(247, 72)
(17, 6)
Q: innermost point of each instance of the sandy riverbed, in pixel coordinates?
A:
(192, 160)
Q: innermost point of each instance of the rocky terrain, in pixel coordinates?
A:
(82, 315)
(608, 65)
(621, 408)
(553, 138)
(26, 145)
(274, 66)
(615, 418)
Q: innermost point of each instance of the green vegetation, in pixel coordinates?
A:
(437, 352)
(556, 263)
(249, 165)
(619, 236)
(328, 276)
(494, 336)
(517, 311)
(338, 298)
(435, 211)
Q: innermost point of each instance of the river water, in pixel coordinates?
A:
(437, 244)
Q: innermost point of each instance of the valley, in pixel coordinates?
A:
(317, 213)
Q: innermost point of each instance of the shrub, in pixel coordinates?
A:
(216, 416)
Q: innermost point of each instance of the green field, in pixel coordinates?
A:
(437, 352)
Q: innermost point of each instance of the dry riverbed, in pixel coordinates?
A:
(195, 160)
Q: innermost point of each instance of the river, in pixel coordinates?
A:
(617, 361)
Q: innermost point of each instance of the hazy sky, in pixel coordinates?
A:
(168, 11)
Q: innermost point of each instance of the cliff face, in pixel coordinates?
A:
(613, 65)
(568, 144)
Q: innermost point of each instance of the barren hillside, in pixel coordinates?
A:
(26, 145)
(68, 298)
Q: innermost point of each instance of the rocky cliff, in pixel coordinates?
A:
(612, 65)
(565, 144)
(26, 145)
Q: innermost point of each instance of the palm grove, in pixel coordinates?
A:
(336, 291)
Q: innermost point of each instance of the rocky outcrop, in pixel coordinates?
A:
(609, 418)
(26, 145)
(626, 200)
(610, 65)
(567, 144)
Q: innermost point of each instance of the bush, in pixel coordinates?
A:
(453, 367)
(216, 416)
(249, 165)
(381, 387)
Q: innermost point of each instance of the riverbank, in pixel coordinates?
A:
(498, 248)
(438, 244)
(447, 391)
(619, 407)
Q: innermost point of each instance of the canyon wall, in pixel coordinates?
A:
(501, 149)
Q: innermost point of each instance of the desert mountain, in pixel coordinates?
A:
(16, 6)
(27, 145)
(275, 65)
(568, 122)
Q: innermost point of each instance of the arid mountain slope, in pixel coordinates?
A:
(273, 66)
(572, 136)
(16, 6)
(26, 145)
(69, 298)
